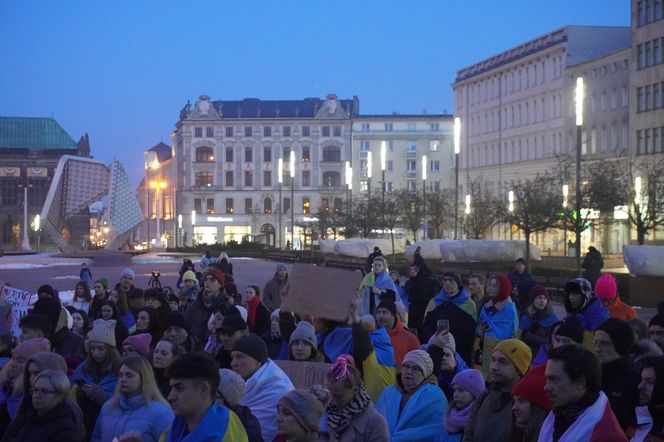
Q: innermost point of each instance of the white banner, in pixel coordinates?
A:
(20, 300)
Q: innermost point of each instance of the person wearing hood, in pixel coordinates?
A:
(375, 286)
(415, 406)
(64, 341)
(229, 392)
(606, 290)
(612, 343)
(467, 385)
(446, 361)
(274, 338)
(210, 297)
(649, 423)
(402, 339)
(136, 405)
(419, 289)
(455, 305)
(580, 302)
(274, 287)
(300, 413)
(498, 318)
(535, 324)
(592, 265)
(157, 299)
(491, 418)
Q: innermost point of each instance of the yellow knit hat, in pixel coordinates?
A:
(517, 352)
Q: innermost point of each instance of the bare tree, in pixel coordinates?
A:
(390, 215)
(440, 211)
(487, 210)
(646, 204)
(410, 205)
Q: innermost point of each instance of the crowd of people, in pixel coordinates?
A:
(485, 359)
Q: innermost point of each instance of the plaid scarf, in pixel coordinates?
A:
(338, 419)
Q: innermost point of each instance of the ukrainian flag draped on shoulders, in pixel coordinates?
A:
(379, 368)
(461, 300)
(219, 424)
(381, 281)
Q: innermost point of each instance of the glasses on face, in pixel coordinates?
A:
(410, 367)
(41, 391)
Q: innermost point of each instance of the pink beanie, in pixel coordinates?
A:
(27, 349)
(140, 342)
(605, 287)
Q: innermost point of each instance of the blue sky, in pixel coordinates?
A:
(122, 70)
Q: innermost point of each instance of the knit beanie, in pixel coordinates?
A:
(538, 290)
(516, 351)
(231, 386)
(275, 314)
(531, 388)
(281, 266)
(27, 349)
(253, 346)
(658, 320)
(103, 331)
(454, 275)
(218, 274)
(421, 359)
(305, 332)
(46, 289)
(103, 281)
(605, 287)
(49, 307)
(127, 272)
(306, 407)
(140, 342)
(189, 276)
(470, 379)
(571, 328)
(620, 333)
(176, 319)
(389, 305)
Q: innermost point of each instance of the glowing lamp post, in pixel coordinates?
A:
(457, 151)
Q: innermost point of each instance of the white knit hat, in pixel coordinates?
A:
(231, 386)
(103, 331)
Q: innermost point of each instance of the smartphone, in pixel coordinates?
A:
(442, 325)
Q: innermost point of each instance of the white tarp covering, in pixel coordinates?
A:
(326, 245)
(473, 250)
(363, 247)
(644, 260)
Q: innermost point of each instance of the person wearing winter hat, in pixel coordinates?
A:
(64, 341)
(531, 405)
(413, 408)
(535, 324)
(266, 383)
(402, 339)
(94, 380)
(46, 291)
(580, 302)
(300, 412)
(212, 296)
(177, 328)
(231, 329)
(498, 318)
(138, 344)
(446, 361)
(606, 290)
(273, 289)
(229, 392)
(189, 282)
(522, 281)
(157, 299)
(454, 304)
(620, 378)
(492, 415)
(467, 386)
(302, 345)
(656, 329)
(101, 294)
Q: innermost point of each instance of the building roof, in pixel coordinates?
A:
(257, 108)
(163, 151)
(33, 133)
(396, 117)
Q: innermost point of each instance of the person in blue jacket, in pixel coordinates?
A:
(535, 324)
(136, 405)
(498, 318)
(581, 303)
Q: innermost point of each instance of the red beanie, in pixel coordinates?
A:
(218, 274)
(605, 287)
(531, 387)
(538, 290)
(505, 289)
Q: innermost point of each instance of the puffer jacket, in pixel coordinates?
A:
(132, 414)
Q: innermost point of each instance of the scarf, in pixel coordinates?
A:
(252, 305)
(456, 420)
(338, 419)
(565, 417)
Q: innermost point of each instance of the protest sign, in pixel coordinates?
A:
(20, 300)
(305, 374)
(323, 292)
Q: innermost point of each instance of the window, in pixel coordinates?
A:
(336, 131)
(306, 205)
(267, 131)
(229, 131)
(287, 205)
(363, 186)
(198, 205)
(248, 155)
(639, 142)
(434, 166)
(648, 103)
(326, 131)
(248, 206)
(267, 178)
(267, 154)
(286, 131)
(365, 127)
(435, 126)
(306, 154)
(639, 99)
(210, 205)
(249, 178)
(306, 178)
(332, 153)
(204, 154)
(411, 186)
(364, 145)
(434, 145)
(325, 204)
(198, 132)
(411, 145)
(656, 97)
(286, 154)
(614, 99)
(306, 132)
(390, 165)
(267, 205)
(204, 179)
(229, 178)
(209, 132)
(411, 127)
(229, 205)
(389, 186)
(389, 127)
(248, 131)
(390, 146)
(332, 179)
(411, 165)
(229, 154)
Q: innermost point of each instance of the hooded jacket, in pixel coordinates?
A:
(381, 281)
(419, 290)
(592, 313)
(272, 292)
(132, 414)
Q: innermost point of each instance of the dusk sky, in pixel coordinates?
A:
(122, 70)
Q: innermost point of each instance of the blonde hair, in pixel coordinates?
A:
(58, 381)
(149, 390)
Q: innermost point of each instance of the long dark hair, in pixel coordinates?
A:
(154, 328)
(86, 293)
(111, 362)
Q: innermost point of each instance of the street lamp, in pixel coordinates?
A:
(37, 224)
(156, 185)
(579, 123)
(292, 190)
(565, 196)
(457, 151)
(25, 243)
(178, 239)
(349, 185)
(637, 191)
(369, 167)
(193, 223)
(510, 208)
(280, 179)
(467, 211)
(383, 164)
(424, 196)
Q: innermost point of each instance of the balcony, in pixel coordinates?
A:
(411, 175)
(411, 155)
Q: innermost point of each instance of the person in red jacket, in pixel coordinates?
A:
(606, 290)
(402, 339)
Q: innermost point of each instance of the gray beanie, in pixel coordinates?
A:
(305, 332)
(231, 386)
(103, 331)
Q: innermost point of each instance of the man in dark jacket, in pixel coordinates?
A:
(370, 259)
(522, 281)
(592, 265)
(274, 287)
(212, 295)
(63, 341)
(419, 289)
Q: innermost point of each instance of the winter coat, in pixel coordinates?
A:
(249, 422)
(501, 319)
(592, 315)
(420, 291)
(66, 343)
(522, 283)
(419, 419)
(618, 309)
(402, 340)
(219, 424)
(262, 320)
(491, 418)
(592, 265)
(59, 424)
(460, 312)
(445, 378)
(91, 409)
(272, 292)
(368, 300)
(620, 382)
(535, 329)
(132, 414)
(273, 343)
(199, 313)
(370, 426)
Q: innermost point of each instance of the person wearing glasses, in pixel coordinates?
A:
(49, 418)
